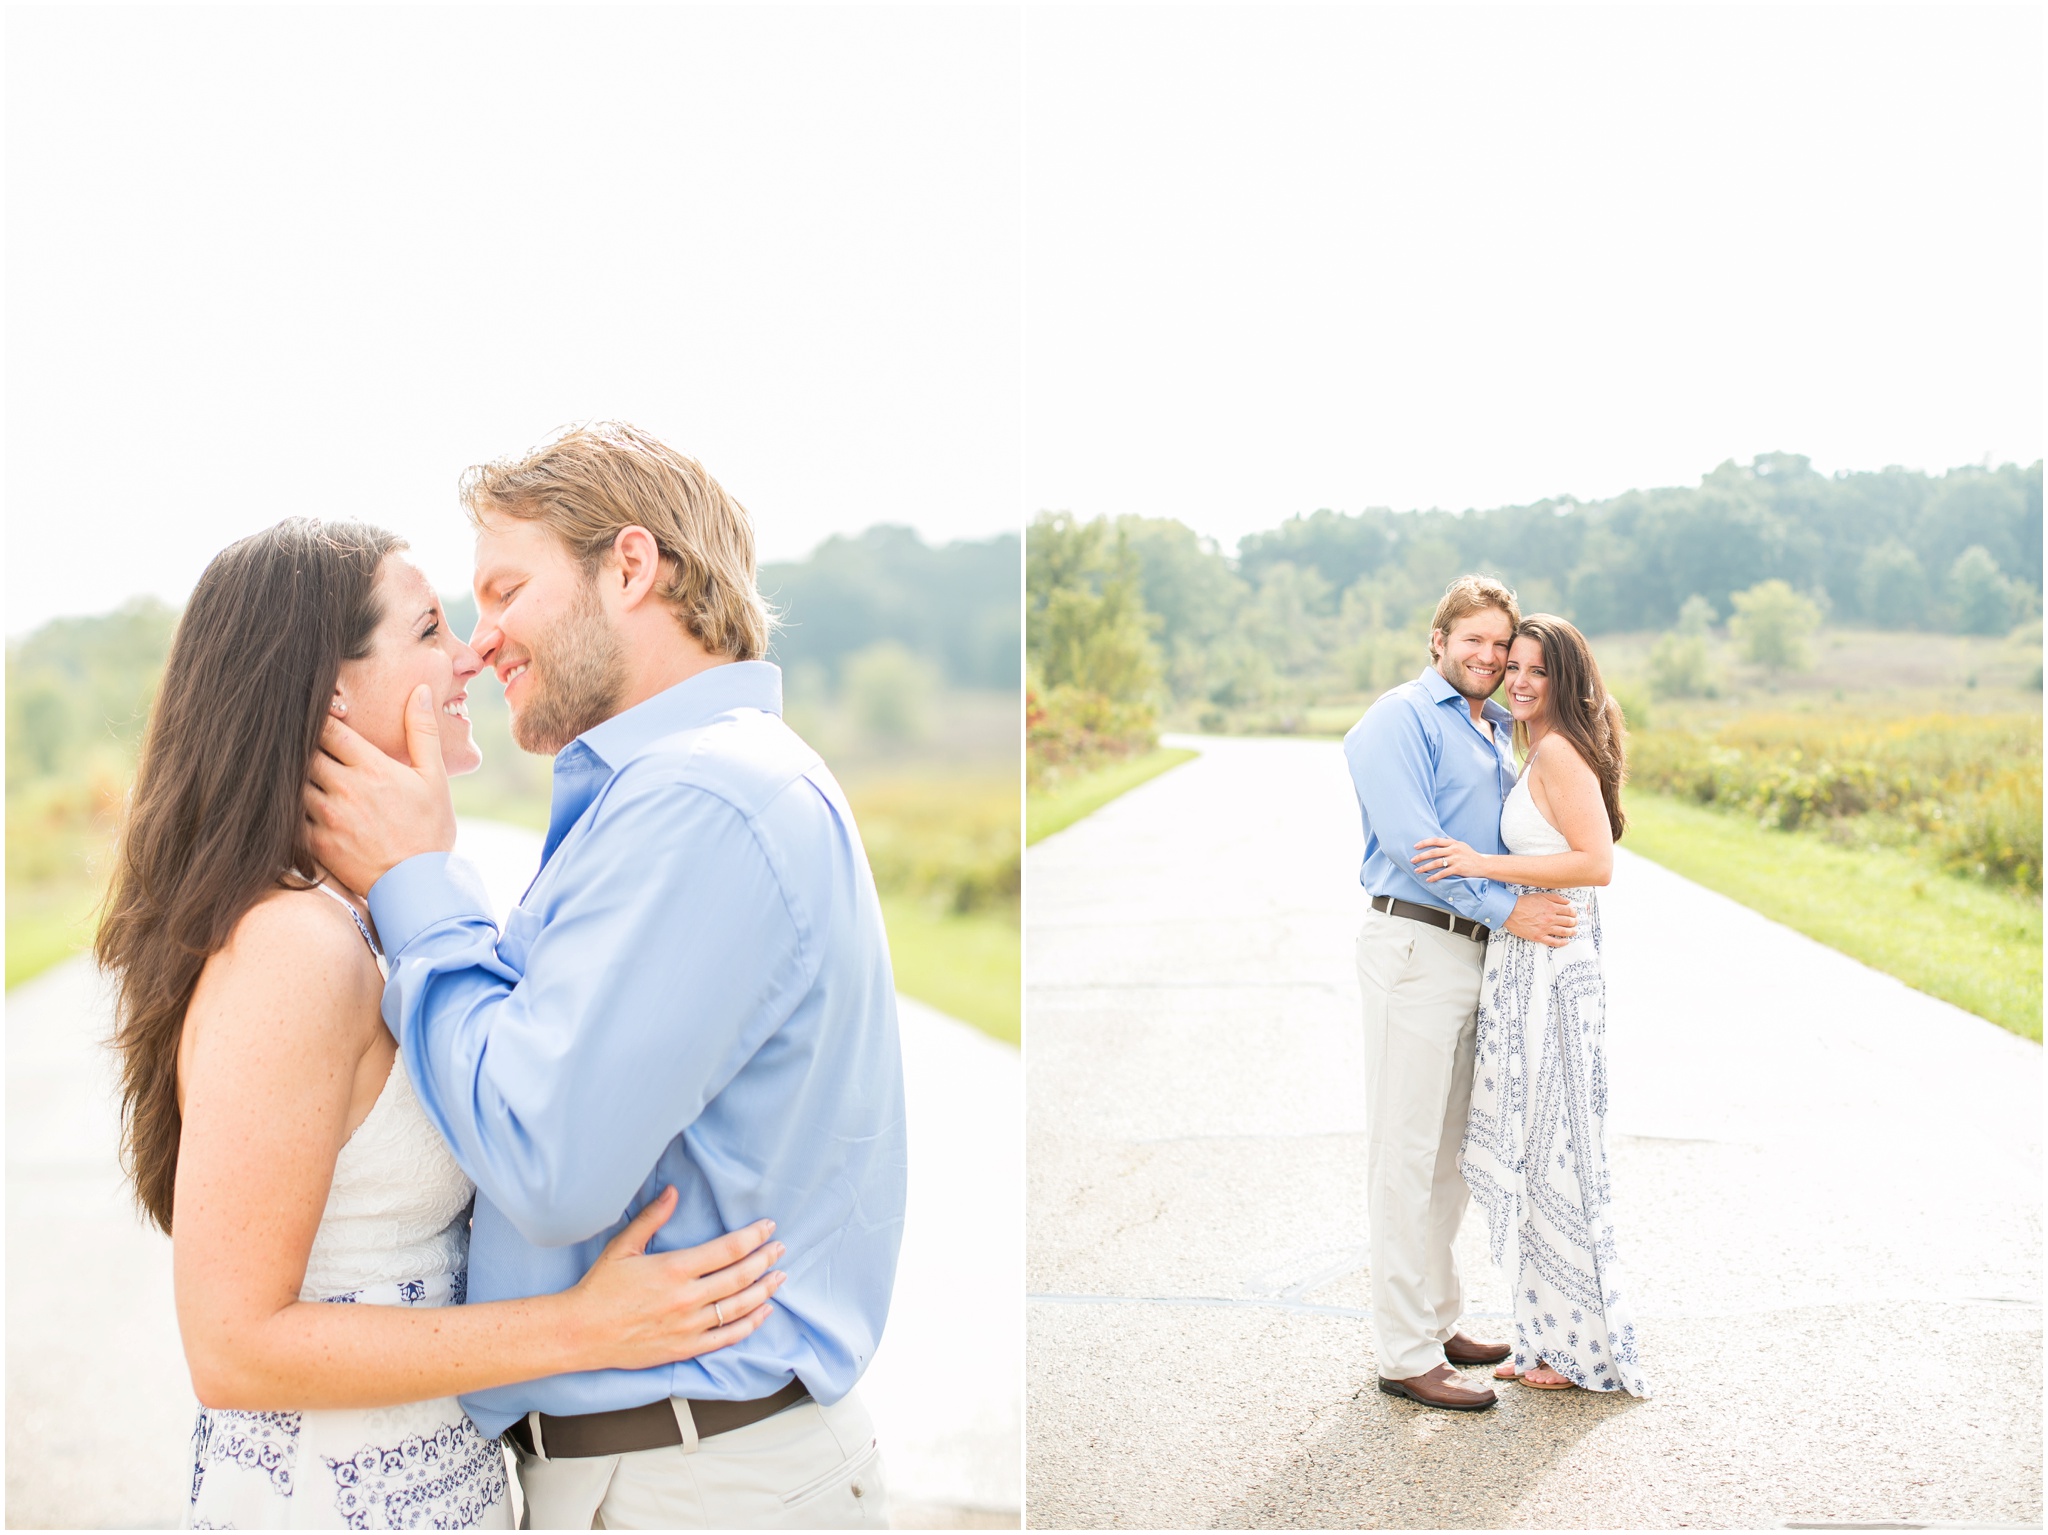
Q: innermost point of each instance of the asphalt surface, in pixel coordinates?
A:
(99, 1406)
(1828, 1206)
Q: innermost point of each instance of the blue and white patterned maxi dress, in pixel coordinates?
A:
(395, 1232)
(1535, 1149)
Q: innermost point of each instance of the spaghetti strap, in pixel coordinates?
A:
(350, 907)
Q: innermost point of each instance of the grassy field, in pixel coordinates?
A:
(1069, 799)
(46, 925)
(943, 846)
(1950, 936)
(969, 965)
(60, 838)
(939, 818)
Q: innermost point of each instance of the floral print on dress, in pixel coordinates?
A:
(1535, 1149)
(447, 1480)
(417, 1466)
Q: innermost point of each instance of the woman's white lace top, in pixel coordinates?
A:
(398, 1208)
(1523, 831)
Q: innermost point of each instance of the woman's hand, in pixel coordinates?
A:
(1448, 857)
(638, 1309)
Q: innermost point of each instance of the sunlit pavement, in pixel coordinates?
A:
(99, 1408)
(1828, 1187)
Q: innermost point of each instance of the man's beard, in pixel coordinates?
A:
(578, 675)
(1462, 681)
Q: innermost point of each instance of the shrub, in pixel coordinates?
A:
(1069, 729)
(1968, 787)
(1679, 667)
(950, 843)
(1983, 599)
(1772, 623)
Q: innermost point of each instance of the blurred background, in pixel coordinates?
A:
(267, 262)
(900, 664)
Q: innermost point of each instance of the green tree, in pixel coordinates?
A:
(955, 605)
(1679, 664)
(891, 691)
(1697, 616)
(1283, 622)
(79, 689)
(1190, 589)
(1087, 626)
(1891, 586)
(1680, 668)
(1979, 593)
(1772, 623)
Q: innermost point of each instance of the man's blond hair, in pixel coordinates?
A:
(1466, 596)
(590, 482)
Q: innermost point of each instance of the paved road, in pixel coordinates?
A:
(99, 1408)
(1829, 1205)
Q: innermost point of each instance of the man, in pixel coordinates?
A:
(695, 991)
(1432, 758)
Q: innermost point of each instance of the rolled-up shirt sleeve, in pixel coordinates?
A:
(1394, 772)
(559, 1057)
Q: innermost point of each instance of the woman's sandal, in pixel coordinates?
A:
(1508, 1372)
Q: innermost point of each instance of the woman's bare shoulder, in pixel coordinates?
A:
(295, 954)
(1560, 761)
(307, 916)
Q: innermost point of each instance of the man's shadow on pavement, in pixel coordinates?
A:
(1378, 1461)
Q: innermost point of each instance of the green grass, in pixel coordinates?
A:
(47, 925)
(970, 966)
(1049, 810)
(1949, 936)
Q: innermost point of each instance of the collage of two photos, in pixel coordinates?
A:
(1023, 767)
(514, 723)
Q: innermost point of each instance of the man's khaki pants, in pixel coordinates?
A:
(1421, 990)
(807, 1468)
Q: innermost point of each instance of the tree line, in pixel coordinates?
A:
(1330, 599)
(79, 689)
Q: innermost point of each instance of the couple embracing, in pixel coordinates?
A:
(1479, 964)
(621, 1182)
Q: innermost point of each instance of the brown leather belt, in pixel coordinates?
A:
(653, 1427)
(1450, 922)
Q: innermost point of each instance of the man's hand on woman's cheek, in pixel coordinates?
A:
(367, 812)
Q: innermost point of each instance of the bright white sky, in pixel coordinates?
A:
(275, 260)
(1456, 257)
(285, 260)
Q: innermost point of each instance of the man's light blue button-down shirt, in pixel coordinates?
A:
(695, 990)
(1424, 768)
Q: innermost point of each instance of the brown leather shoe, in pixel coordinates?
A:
(1460, 1349)
(1442, 1387)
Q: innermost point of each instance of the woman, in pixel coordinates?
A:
(1535, 1151)
(264, 1103)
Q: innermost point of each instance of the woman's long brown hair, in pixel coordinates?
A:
(1580, 707)
(216, 819)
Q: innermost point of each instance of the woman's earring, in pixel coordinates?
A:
(337, 707)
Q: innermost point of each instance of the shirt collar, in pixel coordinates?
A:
(1441, 691)
(692, 702)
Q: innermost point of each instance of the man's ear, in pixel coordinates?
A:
(636, 564)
